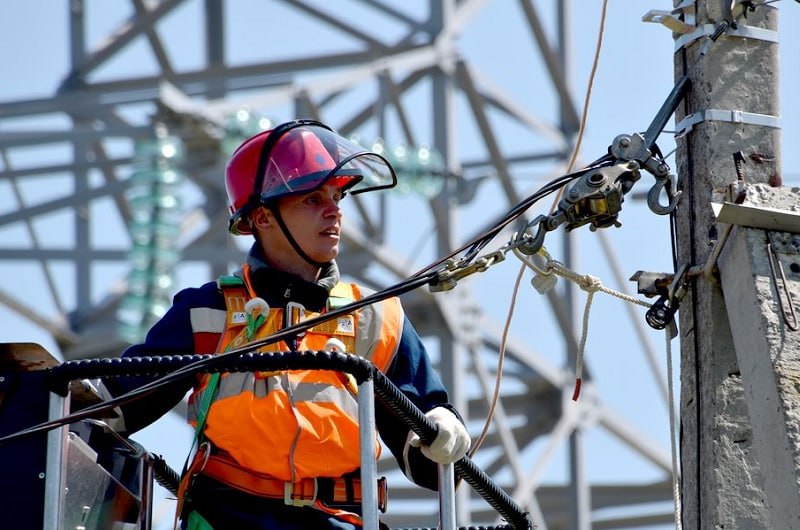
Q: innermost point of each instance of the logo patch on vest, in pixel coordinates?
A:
(238, 317)
(344, 325)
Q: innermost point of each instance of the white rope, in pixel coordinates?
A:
(588, 283)
(591, 285)
(676, 487)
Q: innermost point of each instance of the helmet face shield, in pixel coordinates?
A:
(305, 157)
(375, 171)
(296, 158)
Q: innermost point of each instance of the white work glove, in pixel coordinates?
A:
(452, 441)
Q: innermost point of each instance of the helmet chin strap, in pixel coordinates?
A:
(291, 239)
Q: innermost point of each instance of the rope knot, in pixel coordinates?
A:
(589, 283)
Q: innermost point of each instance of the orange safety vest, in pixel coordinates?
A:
(294, 424)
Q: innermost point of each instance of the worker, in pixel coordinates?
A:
(280, 450)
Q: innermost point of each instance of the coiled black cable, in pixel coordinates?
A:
(165, 475)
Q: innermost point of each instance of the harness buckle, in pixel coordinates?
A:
(295, 313)
(289, 498)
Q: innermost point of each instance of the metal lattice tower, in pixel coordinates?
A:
(369, 68)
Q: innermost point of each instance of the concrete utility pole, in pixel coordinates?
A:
(739, 365)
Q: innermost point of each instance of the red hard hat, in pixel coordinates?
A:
(294, 158)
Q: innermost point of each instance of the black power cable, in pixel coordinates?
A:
(427, 275)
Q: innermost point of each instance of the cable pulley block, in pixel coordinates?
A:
(662, 312)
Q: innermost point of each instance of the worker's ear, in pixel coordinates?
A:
(262, 218)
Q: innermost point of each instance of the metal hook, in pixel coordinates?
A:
(772, 258)
(654, 195)
(533, 244)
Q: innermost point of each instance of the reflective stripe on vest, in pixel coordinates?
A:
(207, 325)
(299, 423)
(379, 330)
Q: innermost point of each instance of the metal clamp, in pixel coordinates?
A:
(710, 30)
(731, 116)
(683, 21)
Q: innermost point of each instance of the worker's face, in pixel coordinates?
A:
(314, 220)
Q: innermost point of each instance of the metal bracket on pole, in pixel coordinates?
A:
(672, 19)
(768, 219)
(757, 217)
